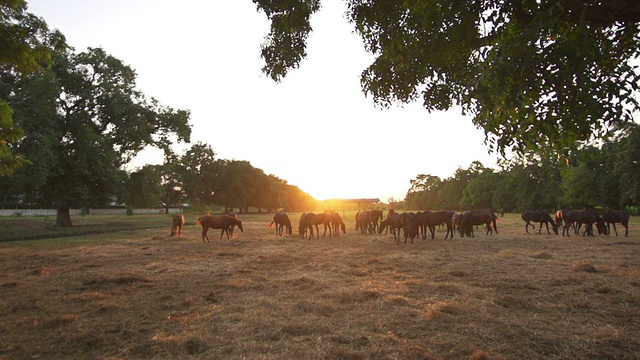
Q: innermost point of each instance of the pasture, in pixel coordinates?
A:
(142, 294)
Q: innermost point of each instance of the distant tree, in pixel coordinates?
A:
(581, 180)
(423, 193)
(25, 45)
(535, 75)
(83, 119)
(171, 176)
(202, 175)
(627, 165)
(240, 186)
(479, 191)
(144, 188)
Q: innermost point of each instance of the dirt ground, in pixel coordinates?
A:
(144, 295)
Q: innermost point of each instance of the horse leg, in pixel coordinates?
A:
(204, 234)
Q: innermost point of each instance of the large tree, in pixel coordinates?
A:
(25, 42)
(535, 75)
(83, 120)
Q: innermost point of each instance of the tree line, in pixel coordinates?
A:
(606, 176)
(70, 123)
(203, 181)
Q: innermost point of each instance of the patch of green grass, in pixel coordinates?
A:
(32, 228)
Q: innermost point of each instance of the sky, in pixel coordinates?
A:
(316, 128)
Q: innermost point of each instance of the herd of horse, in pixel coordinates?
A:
(412, 225)
(568, 219)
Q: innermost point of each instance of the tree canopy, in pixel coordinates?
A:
(83, 119)
(25, 43)
(536, 76)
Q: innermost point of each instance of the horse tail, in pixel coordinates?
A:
(495, 227)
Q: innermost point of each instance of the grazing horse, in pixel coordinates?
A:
(540, 217)
(393, 222)
(230, 229)
(477, 217)
(612, 217)
(281, 219)
(587, 217)
(376, 216)
(396, 222)
(307, 222)
(222, 222)
(456, 221)
(178, 223)
(325, 219)
(447, 217)
(338, 224)
(431, 219)
(364, 222)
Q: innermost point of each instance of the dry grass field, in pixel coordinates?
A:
(143, 295)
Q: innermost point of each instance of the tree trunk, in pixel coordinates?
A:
(63, 218)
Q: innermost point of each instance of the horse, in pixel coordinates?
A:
(477, 217)
(222, 222)
(281, 219)
(376, 216)
(338, 224)
(396, 222)
(393, 222)
(325, 219)
(178, 223)
(231, 227)
(587, 217)
(430, 219)
(540, 217)
(307, 222)
(364, 222)
(612, 217)
(447, 217)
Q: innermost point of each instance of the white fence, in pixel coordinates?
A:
(74, 212)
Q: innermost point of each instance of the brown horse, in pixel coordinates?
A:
(364, 222)
(178, 223)
(338, 224)
(281, 219)
(307, 222)
(541, 217)
(431, 219)
(232, 226)
(477, 217)
(222, 222)
(578, 217)
(396, 222)
(612, 217)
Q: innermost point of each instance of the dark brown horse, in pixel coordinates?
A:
(376, 216)
(541, 217)
(281, 219)
(578, 217)
(396, 222)
(310, 220)
(612, 217)
(364, 222)
(178, 223)
(431, 219)
(222, 222)
(477, 217)
(338, 224)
